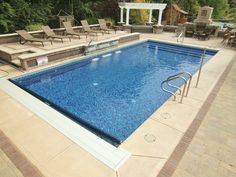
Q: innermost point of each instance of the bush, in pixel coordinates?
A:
(34, 27)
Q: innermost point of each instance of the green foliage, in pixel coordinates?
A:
(88, 9)
(21, 14)
(221, 7)
(110, 22)
(34, 27)
(232, 14)
(6, 14)
(17, 14)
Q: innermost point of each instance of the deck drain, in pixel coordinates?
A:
(165, 115)
(150, 138)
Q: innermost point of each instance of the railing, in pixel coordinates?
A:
(200, 67)
(180, 35)
(181, 76)
(201, 55)
(86, 48)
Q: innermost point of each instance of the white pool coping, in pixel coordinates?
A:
(110, 155)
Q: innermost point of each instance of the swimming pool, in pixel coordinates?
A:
(113, 93)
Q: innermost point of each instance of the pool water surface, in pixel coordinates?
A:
(113, 93)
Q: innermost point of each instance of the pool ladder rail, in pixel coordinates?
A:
(180, 76)
(85, 52)
(181, 35)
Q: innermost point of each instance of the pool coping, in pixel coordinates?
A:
(118, 49)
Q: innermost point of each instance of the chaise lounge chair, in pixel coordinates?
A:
(50, 34)
(103, 26)
(87, 28)
(26, 37)
(70, 31)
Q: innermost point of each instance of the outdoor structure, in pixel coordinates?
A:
(204, 15)
(175, 15)
(56, 21)
(149, 6)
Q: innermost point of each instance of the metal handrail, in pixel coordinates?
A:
(187, 84)
(181, 34)
(168, 91)
(200, 67)
(185, 81)
(189, 81)
(86, 47)
(174, 86)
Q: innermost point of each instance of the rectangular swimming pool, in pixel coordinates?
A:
(113, 93)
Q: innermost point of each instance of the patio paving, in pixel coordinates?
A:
(212, 152)
(7, 168)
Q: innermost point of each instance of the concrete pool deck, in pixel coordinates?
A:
(56, 155)
(212, 151)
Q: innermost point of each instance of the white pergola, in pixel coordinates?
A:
(149, 6)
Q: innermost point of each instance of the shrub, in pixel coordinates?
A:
(34, 27)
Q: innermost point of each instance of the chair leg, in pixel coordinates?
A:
(22, 42)
(61, 40)
(43, 44)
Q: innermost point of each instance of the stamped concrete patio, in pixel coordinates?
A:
(212, 152)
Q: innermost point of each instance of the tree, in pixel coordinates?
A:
(7, 13)
(17, 14)
(221, 7)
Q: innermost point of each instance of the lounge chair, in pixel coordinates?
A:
(103, 26)
(231, 41)
(205, 34)
(70, 31)
(87, 28)
(50, 34)
(26, 37)
(189, 30)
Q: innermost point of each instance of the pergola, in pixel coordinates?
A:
(149, 6)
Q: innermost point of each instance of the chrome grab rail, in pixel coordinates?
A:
(86, 47)
(181, 34)
(200, 67)
(187, 83)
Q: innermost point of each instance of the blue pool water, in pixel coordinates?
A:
(112, 94)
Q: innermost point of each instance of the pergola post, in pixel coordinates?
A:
(150, 16)
(121, 14)
(160, 17)
(127, 16)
